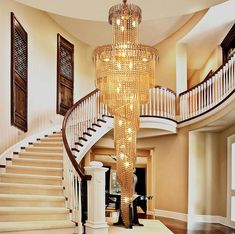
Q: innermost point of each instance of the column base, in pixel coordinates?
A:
(96, 228)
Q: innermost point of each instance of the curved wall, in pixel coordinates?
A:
(166, 69)
(42, 49)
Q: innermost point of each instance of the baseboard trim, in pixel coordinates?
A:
(171, 214)
(149, 212)
(192, 219)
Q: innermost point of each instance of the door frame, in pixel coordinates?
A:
(230, 192)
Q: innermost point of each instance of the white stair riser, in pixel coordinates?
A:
(48, 231)
(37, 163)
(31, 217)
(31, 191)
(23, 180)
(34, 171)
(28, 203)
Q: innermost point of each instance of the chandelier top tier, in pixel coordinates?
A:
(125, 9)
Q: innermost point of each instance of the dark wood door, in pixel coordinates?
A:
(141, 186)
(19, 75)
(65, 74)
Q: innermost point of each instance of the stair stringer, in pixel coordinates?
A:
(145, 122)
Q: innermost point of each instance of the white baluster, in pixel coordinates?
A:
(150, 101)
(158, 101)
(170, 105)
(154, 101)
(161, 102)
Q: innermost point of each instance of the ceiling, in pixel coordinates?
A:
(97, 10)
(228, 120)
(99, 33)
(87, 19)
(208, 33)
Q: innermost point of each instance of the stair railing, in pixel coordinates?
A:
(162, 103)
(80, 118)
(210, 93)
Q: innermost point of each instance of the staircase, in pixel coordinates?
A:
(32, 197)
(41, 186)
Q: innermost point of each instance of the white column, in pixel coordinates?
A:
(96, 223)
(181, 68)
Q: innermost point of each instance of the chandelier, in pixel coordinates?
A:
(125, 72)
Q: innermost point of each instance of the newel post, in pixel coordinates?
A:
(96, 223)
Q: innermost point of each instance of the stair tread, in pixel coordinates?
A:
(54, 143)
(37, 160)
(42, 153)
(49, 177)
(31, 210)
(51, 139)
(35, 225)
(40, 186)
(27, 197)
(33, 167)
(43, 147)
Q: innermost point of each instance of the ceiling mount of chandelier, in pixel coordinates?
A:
(125, 71)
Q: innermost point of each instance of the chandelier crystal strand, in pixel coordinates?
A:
(125, 72)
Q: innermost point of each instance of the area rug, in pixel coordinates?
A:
(150, 227)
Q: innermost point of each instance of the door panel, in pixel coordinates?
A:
(19, 74)
(65, 74)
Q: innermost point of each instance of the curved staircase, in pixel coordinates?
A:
(32, 198)
(41, 187)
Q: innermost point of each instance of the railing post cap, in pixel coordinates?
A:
(96, 164)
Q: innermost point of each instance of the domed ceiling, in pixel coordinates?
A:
(87, 19)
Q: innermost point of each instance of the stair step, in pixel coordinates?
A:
(37, 162)
(30, 179)
(51, 139)
(87, 134)
(82, 139)
(97, 125)
(31, 189)
(92, 129)
(35, 227)
(78, 143)
(32, 213)
(48, 144)
(22, 200)
(41, 155)
(34, 170)
(55, 136)
(44, 149)
(102, 120)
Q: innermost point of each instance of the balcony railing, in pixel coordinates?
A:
(208, 94)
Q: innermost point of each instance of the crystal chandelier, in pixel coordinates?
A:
(125, 72)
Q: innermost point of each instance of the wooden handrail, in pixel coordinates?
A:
(66, 145)
(207, 78)
(164, 109)
(162, 87)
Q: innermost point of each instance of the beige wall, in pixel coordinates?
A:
(170, 171)
(213, 62)
(208, 172)
(166, 69)
(42, 42)
(204, 173)
(222, 183)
